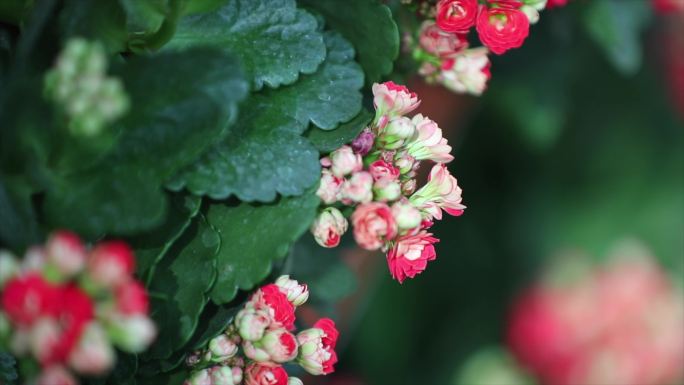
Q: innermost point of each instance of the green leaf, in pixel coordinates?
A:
(616, 25)
(151, 246)
(178, 288)
(177, 112)
(369, 26)
(275, 40)
(212, 323)
(252, 236)
(267, 154)
(326, 141)
(150, 23)
(8, 370)
(18, 222)
(103, 20)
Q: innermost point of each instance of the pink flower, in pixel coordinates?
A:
(276, 346)
(383, 170)
(271, 299)
(441, 192)
(111, 263)
(296, 293)
(93, 353)
(252, 323)
(258, 374)
(344, 161)
(392, 100)
(56, 375)
(222, 348)
(456, 15)
(131, 298)
(330, 187)
(501, 29)
(373, 225)
(328, 227)
(26, 298)
(560, 3)
(437, 42)
(467, 72)
(359, 188)
(65, 253)
(317, 347)
(410, 254)
(428, 143)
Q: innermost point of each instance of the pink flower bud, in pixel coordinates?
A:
(345, 161)
(55, 375)
(93, 353)
(408, 186)
(65, 253)
(359, 188)
(258, 374)
(294, 381)
(390, 100)
(317, 347)
(9, 267)
(397, 130)
(410, 254)
(381, 169)
(428, 142)
(441, 192)
(440, 43)
(280, 345)
(329, 227)
(237, 374)
(273, 301)
(404, 162)
(330, 187)
(297, 294)
(223, 375)
(364, 142)
(252, 323)
(201, 377)
(407, 216)
(111, 263)
(467, 72)
(386, 190)
(131, 298)
(373, 225)
(133, 333)
(222, 348)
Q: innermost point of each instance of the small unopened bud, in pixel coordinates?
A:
(9, 267)
(359, 188)
(222, 375)
(345, 161)
(222, 348)
(297, 294)
(237, 374)
(132, 334)
(364, 142)
(329, 187)
(396, 132)
(386, 190)
(406, 216)
(55, 375)
(294, 381)
(251, 324)
(93, 354)
(329, 227)
(280, 345)
(111, 264)
(408, 187)
(404, 162)
(201, 377)
(65, 254)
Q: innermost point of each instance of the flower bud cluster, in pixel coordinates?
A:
(67, 306)
(442, 49)
(376, 177)
(261, 338)
(80, 85)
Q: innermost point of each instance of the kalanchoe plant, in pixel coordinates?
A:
(377, 176)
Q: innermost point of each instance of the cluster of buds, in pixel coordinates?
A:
(620, 323)
(80, 85)
(442, 47)
(67, 306)
(254, 347)
(376, 175)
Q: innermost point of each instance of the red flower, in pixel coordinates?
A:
(558, 3)
(283, 310)
(456, 16)
(331, 333)
(257, 374)
(131, 298)
(440, 43)
(25, 299)
(111, 263)
(373, 225)
(511, 4)
(501, 29)
(410, 255)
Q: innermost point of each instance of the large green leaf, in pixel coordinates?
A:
(103, 20)
(8, 370)
(267, 154)
(275, 40)
(326, 141)
(179, 287)
(252, 236)
(18, 222)
(150, 23)
(369, 26)
(177, 111)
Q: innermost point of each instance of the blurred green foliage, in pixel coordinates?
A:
(564, 152)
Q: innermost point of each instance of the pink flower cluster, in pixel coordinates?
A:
(622, 323)
(443, 50)
(253, 349)
(67, 306)
(376, 176)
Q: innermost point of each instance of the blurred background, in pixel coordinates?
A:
(567, 266)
